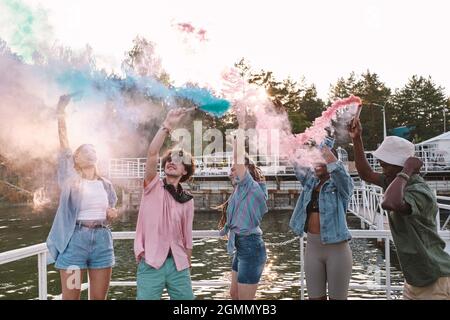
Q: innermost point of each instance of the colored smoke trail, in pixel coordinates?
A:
(188, 28)
(30, 36)
(106, 111)
(298, 146)
(96, 84)
(205, 100)
(118, 113)
(114, 104)
(317, 132)
(26, 29)
(254, 108)
(185, 27)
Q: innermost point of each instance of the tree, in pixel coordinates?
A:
(343, 87)
(420, 103)
(297, 99)
(311, 105)
(143, 61)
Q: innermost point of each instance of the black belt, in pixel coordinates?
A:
(92, 225)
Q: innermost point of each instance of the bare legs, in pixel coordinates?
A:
(71, 281)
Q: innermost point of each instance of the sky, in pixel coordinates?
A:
(320, 40)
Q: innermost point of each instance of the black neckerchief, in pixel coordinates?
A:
(178, 194)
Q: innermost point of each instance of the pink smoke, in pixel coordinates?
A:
(294, 146)
(188, 28)
(202, 34)
(255, 109)
(317, 131)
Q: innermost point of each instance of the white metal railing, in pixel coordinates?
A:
(443, 206)
(366, 201)
(207, 165)
(41, 251)
(366, 204)
(134, 168)
(434, 159)
(127, 168)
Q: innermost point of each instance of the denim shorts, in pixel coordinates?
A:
(89, 248)
(249, 258)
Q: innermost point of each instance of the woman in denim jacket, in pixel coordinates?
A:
(80, 239)
(321, 213)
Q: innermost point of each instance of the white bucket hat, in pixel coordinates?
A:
(395, 150)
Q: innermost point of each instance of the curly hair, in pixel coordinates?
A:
(188, 162)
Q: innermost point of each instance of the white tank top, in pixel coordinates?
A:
(94, 201)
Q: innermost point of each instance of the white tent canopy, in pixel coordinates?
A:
(440, 138)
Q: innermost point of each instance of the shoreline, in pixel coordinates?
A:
(6, 205)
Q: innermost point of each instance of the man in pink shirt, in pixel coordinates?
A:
(163, 243)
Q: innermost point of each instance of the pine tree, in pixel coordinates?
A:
(374, 94)
(420, 103)
(298, 99)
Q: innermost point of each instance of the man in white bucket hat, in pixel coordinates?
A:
(412, 208)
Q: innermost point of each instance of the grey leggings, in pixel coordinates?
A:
(330, 263)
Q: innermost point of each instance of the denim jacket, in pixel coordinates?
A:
(69, 182)
(333, 201)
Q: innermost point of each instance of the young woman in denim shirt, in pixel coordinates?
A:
(79, 239)
(321, 213)
(241, 217)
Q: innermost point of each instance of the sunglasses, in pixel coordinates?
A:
(178, 157)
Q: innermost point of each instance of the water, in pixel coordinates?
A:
(20, 227)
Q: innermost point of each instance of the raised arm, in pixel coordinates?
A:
(338, 174)
(172, 119)
(362, 165)
(394, 197)
(62, 129)
(302, 173)
(65, 160)
(239, 158)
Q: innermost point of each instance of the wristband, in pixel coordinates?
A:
(403, 175)
(166, 129)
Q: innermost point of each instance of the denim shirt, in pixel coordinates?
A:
(246, 208)
(333, 201)
(63, 226)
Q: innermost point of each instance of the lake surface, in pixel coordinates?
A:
(20, 227)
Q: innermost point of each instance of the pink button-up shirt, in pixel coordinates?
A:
(163, 224)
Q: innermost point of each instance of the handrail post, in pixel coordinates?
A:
(302, 270)
(42, 274)
(438, 215)
(387, 250)
(88, 285)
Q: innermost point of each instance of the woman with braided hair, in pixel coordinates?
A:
(241, 218)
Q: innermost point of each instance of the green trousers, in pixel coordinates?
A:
(151, 282)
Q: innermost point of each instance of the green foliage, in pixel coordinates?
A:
(298, 99)
(374, 94)
(420, 103)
